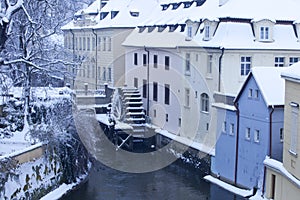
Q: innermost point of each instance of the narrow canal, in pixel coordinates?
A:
(177, 180)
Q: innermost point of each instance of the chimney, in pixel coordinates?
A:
(222, 2)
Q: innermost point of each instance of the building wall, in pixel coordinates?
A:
(226, 145)
(283, 188)
(183, 118)
(290, 161)
(232, 79)
(103, 61)
(252, 152)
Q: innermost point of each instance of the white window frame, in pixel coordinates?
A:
(204, 102)
(250, 93)
(256, 136)
(187, 97)
(264, 33)
(293, 60)
(209, 64)
(190, 31)
(224, 127)
(294, 127)
(187, 64)
(248, 133)
(279, 61)
(206, 32)
(245, 65)
(231, 131)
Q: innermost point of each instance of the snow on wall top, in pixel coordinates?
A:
(270, 84)
(292, 73)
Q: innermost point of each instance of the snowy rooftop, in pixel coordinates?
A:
(268, 80)
(292, 73)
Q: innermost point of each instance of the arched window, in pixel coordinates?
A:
(204, 102)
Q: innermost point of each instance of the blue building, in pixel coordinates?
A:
(250, 129)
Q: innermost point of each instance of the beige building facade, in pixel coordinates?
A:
(283, 179)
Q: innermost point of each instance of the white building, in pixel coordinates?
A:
(189, 54)
(95, 36)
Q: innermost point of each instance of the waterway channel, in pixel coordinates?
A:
(177, 180)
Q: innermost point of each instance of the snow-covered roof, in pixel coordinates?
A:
(233, 35)
(119, 13)
(270, 84)
(292, 73)
(286, 10)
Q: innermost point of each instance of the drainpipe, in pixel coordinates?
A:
(148, 77)
(220, 68)
(73, 52)
(270, 146)
(96, 55)
(236, 105)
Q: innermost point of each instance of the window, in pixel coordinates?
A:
(190, 31)
(167, 94)
(293, 60)
(135, 82)
(154, 113)
(245, 65)
(154, 91)
(144, 88)
(207, 126)
(187, 63)
(256, 136)
(204, 102)
(167, 62)
(231, 129)
(279, 61)
(88, 71)
(84, 44)
(187, 97)
(197, 57)
(264, 33)
(179, 122)
(109, 74)
(256, 94)
(88, 44)
(104, 43)
(135, 59)
(93, 44)
(294, 127)
(104, 74)
(93, 71)
(224, 127)
(167, 117)
(206, 32)
(209, 64)
(281, 136)
(114, 14)
(80, 43)
(109, 44)
(99, 73)
(145, 59)
(155, 60)
(76, 44)
(247, 134)
(99, 43)
(250, 93)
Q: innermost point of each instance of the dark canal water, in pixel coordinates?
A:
(177, 180)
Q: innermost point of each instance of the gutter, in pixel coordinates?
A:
(73, 51)
(270, 147)
(236, 142)
(96, 55)
(220, 68)
(148, 77)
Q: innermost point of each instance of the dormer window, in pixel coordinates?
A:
(134, 13)
(175, 5)
(103, 15)
(114, 14)
(172, 28)
(263, 29)
(264, 33)
(161, 28)
(189, 31)
(206, 32)
(165, 6)
(187, 4)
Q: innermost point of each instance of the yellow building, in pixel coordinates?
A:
(283, 179)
